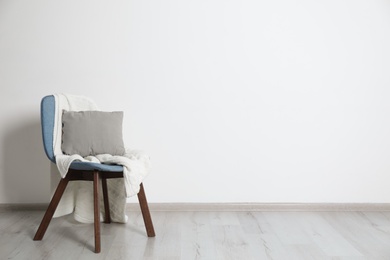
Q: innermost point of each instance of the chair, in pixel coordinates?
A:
(86, 172)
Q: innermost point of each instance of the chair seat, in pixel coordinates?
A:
(90, 166)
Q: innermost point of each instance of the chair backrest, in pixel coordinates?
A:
(47, 124)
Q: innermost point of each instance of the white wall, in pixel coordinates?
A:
(236, 101)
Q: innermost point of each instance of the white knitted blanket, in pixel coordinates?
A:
(78, 197)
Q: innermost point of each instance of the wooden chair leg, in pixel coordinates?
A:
(51, 209)
(145, 212)
(96, 210)
(107, 218)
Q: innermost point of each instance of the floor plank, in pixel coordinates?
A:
(204, 235)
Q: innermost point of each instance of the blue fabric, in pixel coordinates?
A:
(87, 166)
(47, 124)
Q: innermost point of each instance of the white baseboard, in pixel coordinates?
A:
(23, 206)
(231, 207)
(263, 206)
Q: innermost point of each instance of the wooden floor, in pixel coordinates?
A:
(204, 235)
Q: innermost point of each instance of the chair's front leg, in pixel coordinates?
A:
(145, 212)
(96, 209)
(51, 209)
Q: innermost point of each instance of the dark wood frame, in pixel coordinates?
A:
(95, 176)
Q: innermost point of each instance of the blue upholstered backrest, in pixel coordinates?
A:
(47, 123)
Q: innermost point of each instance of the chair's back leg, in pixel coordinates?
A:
(145, 212)
(51, 209)
(96, 210)
(107, 218)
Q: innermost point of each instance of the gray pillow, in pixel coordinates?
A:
(92, 132)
